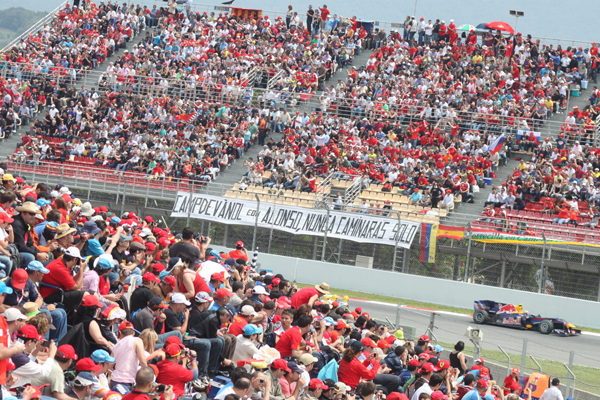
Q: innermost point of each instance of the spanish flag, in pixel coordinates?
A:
(429, 234)
(451, 232)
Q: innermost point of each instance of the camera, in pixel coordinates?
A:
(160, 388)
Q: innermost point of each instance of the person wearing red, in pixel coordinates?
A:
(144, 387)
(245, 316)
(484, 372)
(171, 372)
(351, 370)
(239, 252)
(309, 295)
(61, 276)
(511, 382)
(290, 341)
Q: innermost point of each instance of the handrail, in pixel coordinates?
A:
(34, 27)
(390, 25)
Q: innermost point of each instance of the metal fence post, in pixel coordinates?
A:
(524, 355)
(542, 275)
(398, 307)
(571, 359)
(396, 244)
(405, 256)
(190, 199)
(123, 200)
(255, 222)
(468, 252)
(325, 235)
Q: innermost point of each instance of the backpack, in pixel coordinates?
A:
(76, 338)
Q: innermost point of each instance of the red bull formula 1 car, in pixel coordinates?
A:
(514, 316)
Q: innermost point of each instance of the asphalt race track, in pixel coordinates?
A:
(451, 328)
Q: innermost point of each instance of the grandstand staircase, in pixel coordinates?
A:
(352, 191)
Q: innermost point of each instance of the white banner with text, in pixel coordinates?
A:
(297, 220)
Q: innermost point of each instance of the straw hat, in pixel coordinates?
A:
(29, 207)
(64, 230)
(323, 288)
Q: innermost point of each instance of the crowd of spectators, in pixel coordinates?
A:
(101, 306)
(158, 136)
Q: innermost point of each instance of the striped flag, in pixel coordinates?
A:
(451, 232)
(497, 145)
(429, 233)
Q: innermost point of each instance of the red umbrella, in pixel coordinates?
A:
(500, 26)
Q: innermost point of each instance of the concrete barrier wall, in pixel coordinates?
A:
(439, 291)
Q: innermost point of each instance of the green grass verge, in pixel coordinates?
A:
(412, 303)
(587, 377)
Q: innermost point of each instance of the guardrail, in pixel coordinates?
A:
(35, 27)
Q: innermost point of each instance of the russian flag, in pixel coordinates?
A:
(524, 134)
(497, 145)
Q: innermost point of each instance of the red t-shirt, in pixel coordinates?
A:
(288, 341)
(4, 341)
(235, 254)
(134, 395)
(303, 295)
(237, 326)
(59, 275)
(324, 13)
(170, 373)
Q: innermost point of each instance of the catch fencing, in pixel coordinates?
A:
(559, 269)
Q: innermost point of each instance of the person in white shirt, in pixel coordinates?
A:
(428, 387)
(553, 392)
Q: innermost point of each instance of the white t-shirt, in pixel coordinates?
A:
(425, 388)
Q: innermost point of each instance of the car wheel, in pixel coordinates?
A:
(480, 317)
(546, 327)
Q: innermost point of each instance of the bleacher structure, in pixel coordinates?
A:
(514, 264)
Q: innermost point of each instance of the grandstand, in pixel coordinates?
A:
(363, 121)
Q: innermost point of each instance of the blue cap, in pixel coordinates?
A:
(5, 289)
(35, 265)
(100, 356)
(85, 378)
(103, 263)
(251, 329)
(90, 228)
(43, 202)
(329, 321)
(438, 348)
(163, 274)
(95, 248)
(115, 220)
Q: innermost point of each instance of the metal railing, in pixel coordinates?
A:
(35, 27)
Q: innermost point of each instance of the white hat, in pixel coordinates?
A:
(248, 310)
(259, 289)
(13, 314)
(179, 298)
(73, 252)
(86, 209)
(64, 190)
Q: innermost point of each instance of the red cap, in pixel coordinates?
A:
(222, 292)
(150, 277)
(148, 219)
(414, 363)
(218, 276)
(164, 242)
(150, 246)
(170, 280)
(424, 356)
(438, 395)
(396, 396)
(482, 383)
(368, 342)
(239, 243)
(90, 301)
(341, 324)
(280, 363)
(424, 338)
(173, 350)
(125, 325)
(87, 364)
(428, 367)
(383, 344)
(515, 371)
(37, 390)
(19, 278)
(66, 351)
(158, 267)
(358, 310)
(276, 281)
(103, 209)
(442, 364)
(6, 218)
(316, 383)
(29, 332)
(132, 215)
(479, 360)
(173, 340)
